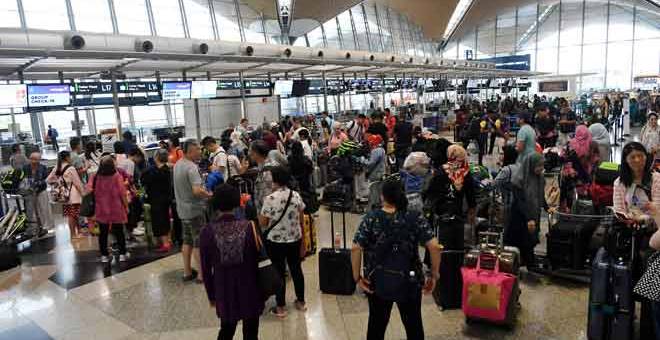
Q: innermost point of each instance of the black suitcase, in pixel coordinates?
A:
(8, 256)
(448, 292)
(598, 296)
(335, 269)
(568, 243)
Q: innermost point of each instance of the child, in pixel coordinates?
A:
(415, 170)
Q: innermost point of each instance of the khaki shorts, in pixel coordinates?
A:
(191, 229)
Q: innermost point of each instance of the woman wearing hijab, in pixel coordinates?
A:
(447, 190)
(601, 136)
(528, 185)
(579, 162)
(650, 136)
(375, 170)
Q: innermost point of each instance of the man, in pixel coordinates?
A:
(567, 124)
(403, 132)
(77, 161)
(296, 127)
(378, 128)
(327, 118)
(357, 128)
(263, 185)
(227, 164)
(243, 126)
(37, 205)
(127, 140)
(190, 197)
(390, 121)
(545, 126)
(52, 136)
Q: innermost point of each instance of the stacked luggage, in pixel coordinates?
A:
(568, 240)
(602, 188)
(490, 282)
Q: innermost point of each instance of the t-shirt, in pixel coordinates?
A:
(288, 229)
(230, 163)
(379, 129)
(545, 124)
(374, 231)
(77, 161)
(403, 132)
(186, 175)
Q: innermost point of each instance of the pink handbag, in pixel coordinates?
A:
(487, 293)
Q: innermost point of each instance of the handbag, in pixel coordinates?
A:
(88, 203)
(269, 280)
(648, 285)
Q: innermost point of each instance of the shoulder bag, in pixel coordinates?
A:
(269, 280)
(648, 285)
(286, 207)
(88, 203)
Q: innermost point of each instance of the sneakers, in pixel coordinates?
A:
(165, 248)
(124, 257)
(300, 306)
(190, 277)
(138, 231)
(105, 259)
(280, 312)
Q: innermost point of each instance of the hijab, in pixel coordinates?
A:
(457, 166)
(532, 185)
(599, 134)
(581, 143)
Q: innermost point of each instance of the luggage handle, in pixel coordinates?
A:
(332, 227)
(495, 270)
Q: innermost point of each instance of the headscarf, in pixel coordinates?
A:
(599, 134)
(531, 184)
(582, 141)
(527, 136)
(276, 158)
(374, 141)
(457, 166)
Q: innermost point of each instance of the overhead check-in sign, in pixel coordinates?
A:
(49, 95)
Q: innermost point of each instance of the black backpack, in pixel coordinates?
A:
(396, 275)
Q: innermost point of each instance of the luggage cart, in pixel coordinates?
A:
(568, 254)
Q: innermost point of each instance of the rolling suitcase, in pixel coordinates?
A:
(335, 268)
(447, 293)
(567, 242)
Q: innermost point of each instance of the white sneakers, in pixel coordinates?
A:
(105, 259)
(122, 258)
(138, 231)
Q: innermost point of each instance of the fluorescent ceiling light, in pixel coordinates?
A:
(456, 17)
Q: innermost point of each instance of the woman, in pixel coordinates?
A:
(503, 181)
(229, 250)
(71, 209)
(394, 222)
(451, 185)
(157, 181)
(301, 167)
(601, 136)
(17, 160)
(91, 158)
(237, 145)
(337, 137)
(650, 136)
(637, 186)
(111, 206)
(528, 197)
(580, 160)
(375, 170)
(282, 218)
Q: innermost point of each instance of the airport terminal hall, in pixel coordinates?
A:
(329, 169)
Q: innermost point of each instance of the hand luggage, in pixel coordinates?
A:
(568, 241)
(447, 292)
(606, 173)
(8, 256)
(338, 195)
(489, 295)
(335, 269)
(309, 234)
(602, 195)
(509, 257)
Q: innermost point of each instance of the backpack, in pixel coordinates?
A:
(395, 277)
(11, 180)
(60, 190)
(347, 148)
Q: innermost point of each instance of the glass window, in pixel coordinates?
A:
(60, 120)
(346, 30)
(300, 41)
(395, 30)
(647, 57)
(407, 36)
(132, 17)
(621, 19)
(595, 22)
(360, 28)
(593, 61)
(273, 32)
(198, 17)
(526, 37)
(466, 44)
(506, 33)
(167, 15)
(9, 16)
(46, 14)
(451, 51)
(546, 60)
(92, 15)
(567, 60)
(548, 26)
(646, 24)
(619, 67)
(385, 29)
(227, 20)
(485, 40)
(150, 116)
(372, 26)
(331, 34)
(315, 37)
(571, 24)
(252, 25)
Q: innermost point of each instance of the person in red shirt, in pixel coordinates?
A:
(390, 121)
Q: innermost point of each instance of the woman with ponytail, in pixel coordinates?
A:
(70, 208)
(381, 231)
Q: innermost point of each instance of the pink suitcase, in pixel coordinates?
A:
(489, 294)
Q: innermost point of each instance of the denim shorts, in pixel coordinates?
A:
(191, 229)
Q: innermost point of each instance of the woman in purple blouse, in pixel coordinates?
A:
(229, 254)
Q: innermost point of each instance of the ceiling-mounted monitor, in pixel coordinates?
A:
(300, 88)
(283, 88)
(49, 95)
(176, 90)
(203, 89)
(13, 96)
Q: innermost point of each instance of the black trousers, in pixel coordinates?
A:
(118, 231)
(282, 254)
(481, 142)
(379, 316)
(177, 228)
(493, 135)
(250, 329)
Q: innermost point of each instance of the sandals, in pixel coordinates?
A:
(191, 277)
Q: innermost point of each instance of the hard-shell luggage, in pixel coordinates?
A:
(606, 173)
(8, 256)
(568, 241)
(447, 292)
(335, 268)
(489, 294)
(338, 195)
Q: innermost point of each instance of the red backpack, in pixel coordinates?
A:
(602, 194)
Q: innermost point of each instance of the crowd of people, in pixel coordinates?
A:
(227, 201)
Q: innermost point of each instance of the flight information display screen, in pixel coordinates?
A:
(177, 90)
(49, 95)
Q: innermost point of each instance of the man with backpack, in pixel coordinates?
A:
(52, 136)
(393, 273)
